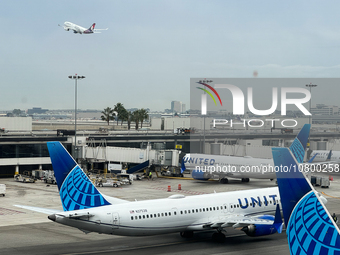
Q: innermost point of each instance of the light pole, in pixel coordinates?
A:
(75, 78)
(204, 82)
(310, 85)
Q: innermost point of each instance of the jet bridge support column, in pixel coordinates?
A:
(105, 168)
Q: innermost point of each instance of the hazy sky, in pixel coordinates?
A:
(153, 48)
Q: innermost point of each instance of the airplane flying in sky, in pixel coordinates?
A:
(310, 228)
(81, 30)
(256, 212)
(205, 166)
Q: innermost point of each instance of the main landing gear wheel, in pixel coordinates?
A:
(187, 234)
(218, 237)
(245, 179)
(224, 181)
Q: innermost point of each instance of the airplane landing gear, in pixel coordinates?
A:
(187, 234)
(224, 180)
(218, 237)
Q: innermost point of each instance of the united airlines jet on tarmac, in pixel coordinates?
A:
(81, 30)
(87, 209)
(310, 228)
(205, 166)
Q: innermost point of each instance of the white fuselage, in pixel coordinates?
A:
(174, 214)
(231, 166)
(70, 26)
(322, 156)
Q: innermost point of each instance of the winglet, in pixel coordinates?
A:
(312, 159)
(299, 145)
(278, 220)
(182, 166)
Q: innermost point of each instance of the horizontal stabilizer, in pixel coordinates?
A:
(39, 209)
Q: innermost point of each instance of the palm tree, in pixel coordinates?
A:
(143, 116)
(136, 117)
(120, 109)
(108, 114)
(129, 118)
(124, 115)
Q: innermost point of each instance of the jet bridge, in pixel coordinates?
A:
(142, 157)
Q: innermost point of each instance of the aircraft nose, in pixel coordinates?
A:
(52, 217)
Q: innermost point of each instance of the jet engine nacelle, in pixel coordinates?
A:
(259, 230)
(200, 175)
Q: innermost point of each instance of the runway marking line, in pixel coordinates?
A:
(329, 195)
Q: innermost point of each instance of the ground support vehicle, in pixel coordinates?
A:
(107, 183)
(25, 177)
(3, 189)
(49, 177)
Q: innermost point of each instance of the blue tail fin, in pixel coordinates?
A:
(298, 147)
(329, 155)
(75, 189)
(310, 229)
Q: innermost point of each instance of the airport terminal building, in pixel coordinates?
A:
(23, 144)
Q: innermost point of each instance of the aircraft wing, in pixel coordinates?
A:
(40, 209)
(262, 222)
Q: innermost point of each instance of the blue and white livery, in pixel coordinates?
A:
(256, 212)
(310, 227)
(205, 166)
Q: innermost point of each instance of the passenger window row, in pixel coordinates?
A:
(206, 209)
(150, 216)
